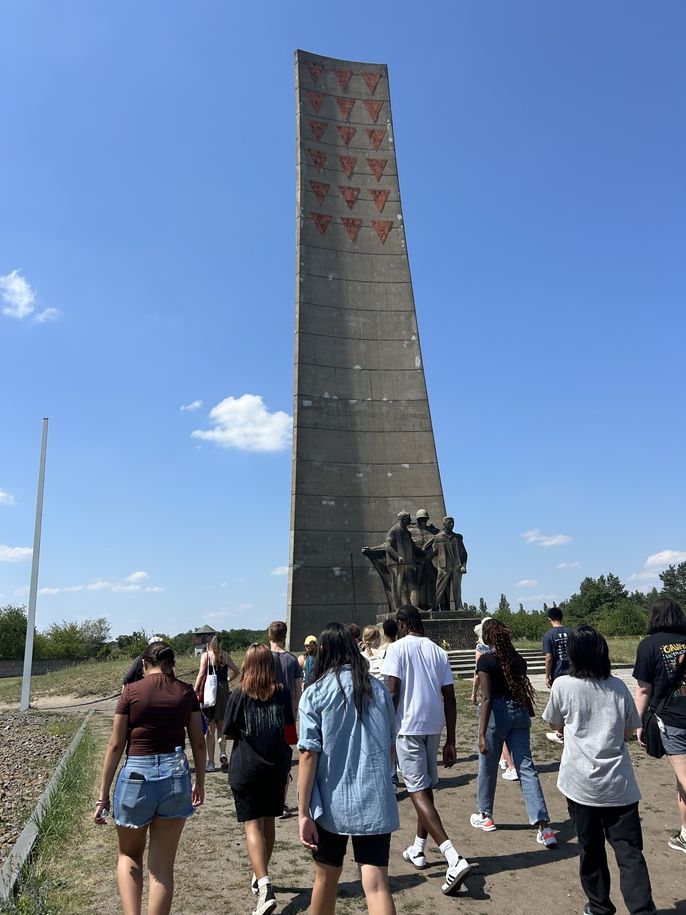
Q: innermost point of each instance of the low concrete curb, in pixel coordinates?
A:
(23, 847)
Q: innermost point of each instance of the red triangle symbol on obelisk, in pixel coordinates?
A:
(346, 133)
(376, 136)
(322, 220)
(315, 70)
(377, 166)
(321, 190)
(349, 194)
(348, 164)
(316, 99)
(382, 227)
(318, 128)
(345, 106)
(378, 196)
(318, 158)
(343, 77)
(372, 81)
(352, 226)
(373, 109)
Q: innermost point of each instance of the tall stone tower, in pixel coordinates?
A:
(363, 446)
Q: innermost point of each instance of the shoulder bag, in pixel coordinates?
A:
(652, 720)
(209, 696)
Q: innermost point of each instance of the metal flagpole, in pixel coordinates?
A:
(33, 592)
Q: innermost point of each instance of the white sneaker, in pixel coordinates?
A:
(546, 836)
(254, 888)
(455, 876)
(209, 767)
(266, 900)
(502, 764)
(482, 821)
(416, 858)
(554, 737)
(510, 775)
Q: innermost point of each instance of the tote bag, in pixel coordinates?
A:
(209, 696)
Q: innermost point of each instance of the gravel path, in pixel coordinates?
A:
(29, 752)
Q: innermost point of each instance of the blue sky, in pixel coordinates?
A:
(147, 177)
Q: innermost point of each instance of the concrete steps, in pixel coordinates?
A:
(462, 661)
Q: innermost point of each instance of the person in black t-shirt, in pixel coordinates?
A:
(659, 672)
(259, 719)
(556, 660)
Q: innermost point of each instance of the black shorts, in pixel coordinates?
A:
(373, 850)
(263, 800)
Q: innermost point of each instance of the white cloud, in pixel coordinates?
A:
(138, 576)
(191, 407)
(47, 315)
(543, 598)
(14, 553)
(568, 565)
(17, 297)
(664, 558)
(527, 583)
(535, 536)
(43, 591)
(6, 498)
(246, 424)
(279, 570)
(226, 612)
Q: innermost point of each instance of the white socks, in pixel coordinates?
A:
(419, 845)
(683, 833)
(450, 852)
(263, 881)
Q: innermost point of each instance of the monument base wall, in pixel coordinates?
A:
(451, 631)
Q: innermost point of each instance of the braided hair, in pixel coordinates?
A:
(513, 665)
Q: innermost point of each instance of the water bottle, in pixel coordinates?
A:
(179, 763)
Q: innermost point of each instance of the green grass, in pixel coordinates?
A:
(87, 678)
(622, 648)
(39, 893)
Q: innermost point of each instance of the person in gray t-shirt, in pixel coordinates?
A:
(596, 776)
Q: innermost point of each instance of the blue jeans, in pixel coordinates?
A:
(146, 788)
(511, 724)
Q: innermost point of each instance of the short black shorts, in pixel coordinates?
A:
(263, 800)
(373, 850)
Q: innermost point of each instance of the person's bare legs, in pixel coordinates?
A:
(324, 889)
(428, 819)
(210, 740)
(164, 841)
(130, 867)
(269, 830)
(678, 763)
(505, 754)
(376, 890)
(256, 833)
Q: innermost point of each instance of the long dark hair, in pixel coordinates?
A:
(666, 616)
(589, 656)
(159, 654)
(338, 649)
(512, 663)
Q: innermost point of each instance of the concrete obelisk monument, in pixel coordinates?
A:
(363, 445)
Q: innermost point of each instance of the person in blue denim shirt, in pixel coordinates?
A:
(347, 729)
(506, 710)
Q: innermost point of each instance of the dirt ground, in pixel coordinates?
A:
(513, 874)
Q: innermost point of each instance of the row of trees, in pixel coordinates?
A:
(91, 639)
(604, 602)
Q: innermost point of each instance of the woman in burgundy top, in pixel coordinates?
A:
(153, 792)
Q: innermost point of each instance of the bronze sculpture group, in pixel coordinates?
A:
(420, 564)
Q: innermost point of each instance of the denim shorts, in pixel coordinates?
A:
(673, 739)
(146, 788)
(418, 760)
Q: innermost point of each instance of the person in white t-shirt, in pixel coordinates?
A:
(421, 684)
(596, 775)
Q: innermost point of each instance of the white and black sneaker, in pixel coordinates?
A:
(455, 876)
(266, 900)
(414, 857)
(254, 888)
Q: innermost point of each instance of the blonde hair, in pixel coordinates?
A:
(370, 635)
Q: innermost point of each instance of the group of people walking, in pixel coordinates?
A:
(356, 718)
